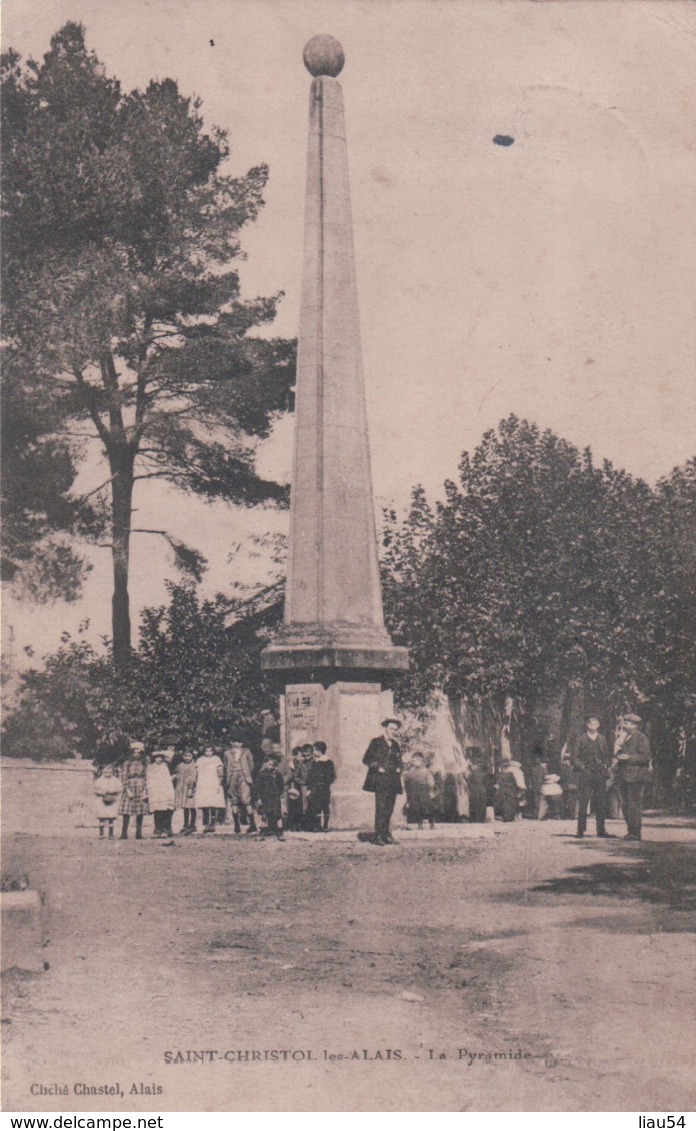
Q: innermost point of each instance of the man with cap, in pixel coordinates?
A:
(383, 761)
(591, 762)
(633, 771)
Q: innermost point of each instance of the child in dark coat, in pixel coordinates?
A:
(270, 786)
(420, 791)
(294, 792)
(321, 776)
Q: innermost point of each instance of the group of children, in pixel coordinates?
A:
(309, 788)
(281, 792)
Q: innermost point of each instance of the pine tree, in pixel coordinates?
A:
(121, 289)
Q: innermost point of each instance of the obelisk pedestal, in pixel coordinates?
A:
(345, 714)
(333, 652)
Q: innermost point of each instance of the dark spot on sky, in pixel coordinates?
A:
(503, 139)
(212, 43)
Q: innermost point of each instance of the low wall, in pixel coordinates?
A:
(47, 798)
(22, 936)
(56, 799)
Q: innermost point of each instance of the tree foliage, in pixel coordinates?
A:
(673, 540)
(198, 662)
(41, 516)
(53, 718)
(540, 570)
(121, 285)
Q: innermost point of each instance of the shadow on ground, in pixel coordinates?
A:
(661, 874)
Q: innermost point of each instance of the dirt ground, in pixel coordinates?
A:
(567, 965)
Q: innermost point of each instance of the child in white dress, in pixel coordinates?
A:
(160, 791)
(210, 795)
(107, 790)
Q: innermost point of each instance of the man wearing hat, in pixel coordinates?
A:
(591, 762)
(633, 771)
(383, 761)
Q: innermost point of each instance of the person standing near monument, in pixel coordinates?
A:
(270, 786)
(568, 784)
(134, 800)
(420, 791)
(383, 759)
(185, 776)
(306, 762)
(511, 791)
(210, 795)
(591, 765)
(321, 776)
(160, 790)
(239, 778)
(107, 790)
(633, 771)
(535, 781)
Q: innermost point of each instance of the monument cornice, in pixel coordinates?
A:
(296, 658)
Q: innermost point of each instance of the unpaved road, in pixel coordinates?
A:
(572, 961)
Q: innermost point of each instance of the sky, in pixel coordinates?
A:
(552, 277)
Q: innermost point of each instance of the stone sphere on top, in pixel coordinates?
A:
(323, 55)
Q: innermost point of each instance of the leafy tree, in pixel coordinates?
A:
(121, 289)
(673, 537)
(198, 662)
(538, 572)
(408, 550)
(191, 669)
(39, 511)
(674, 540)
(53, 718)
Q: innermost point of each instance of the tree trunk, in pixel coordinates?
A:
(573, 713)
(121, 462)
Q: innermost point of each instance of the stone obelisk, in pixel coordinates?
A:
(333, 653)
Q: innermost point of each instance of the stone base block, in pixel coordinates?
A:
(345, 715)
(352, 810)
(22, 937)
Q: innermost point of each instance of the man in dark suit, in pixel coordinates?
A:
(383, 761)
(591, 762)
(633, 771)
